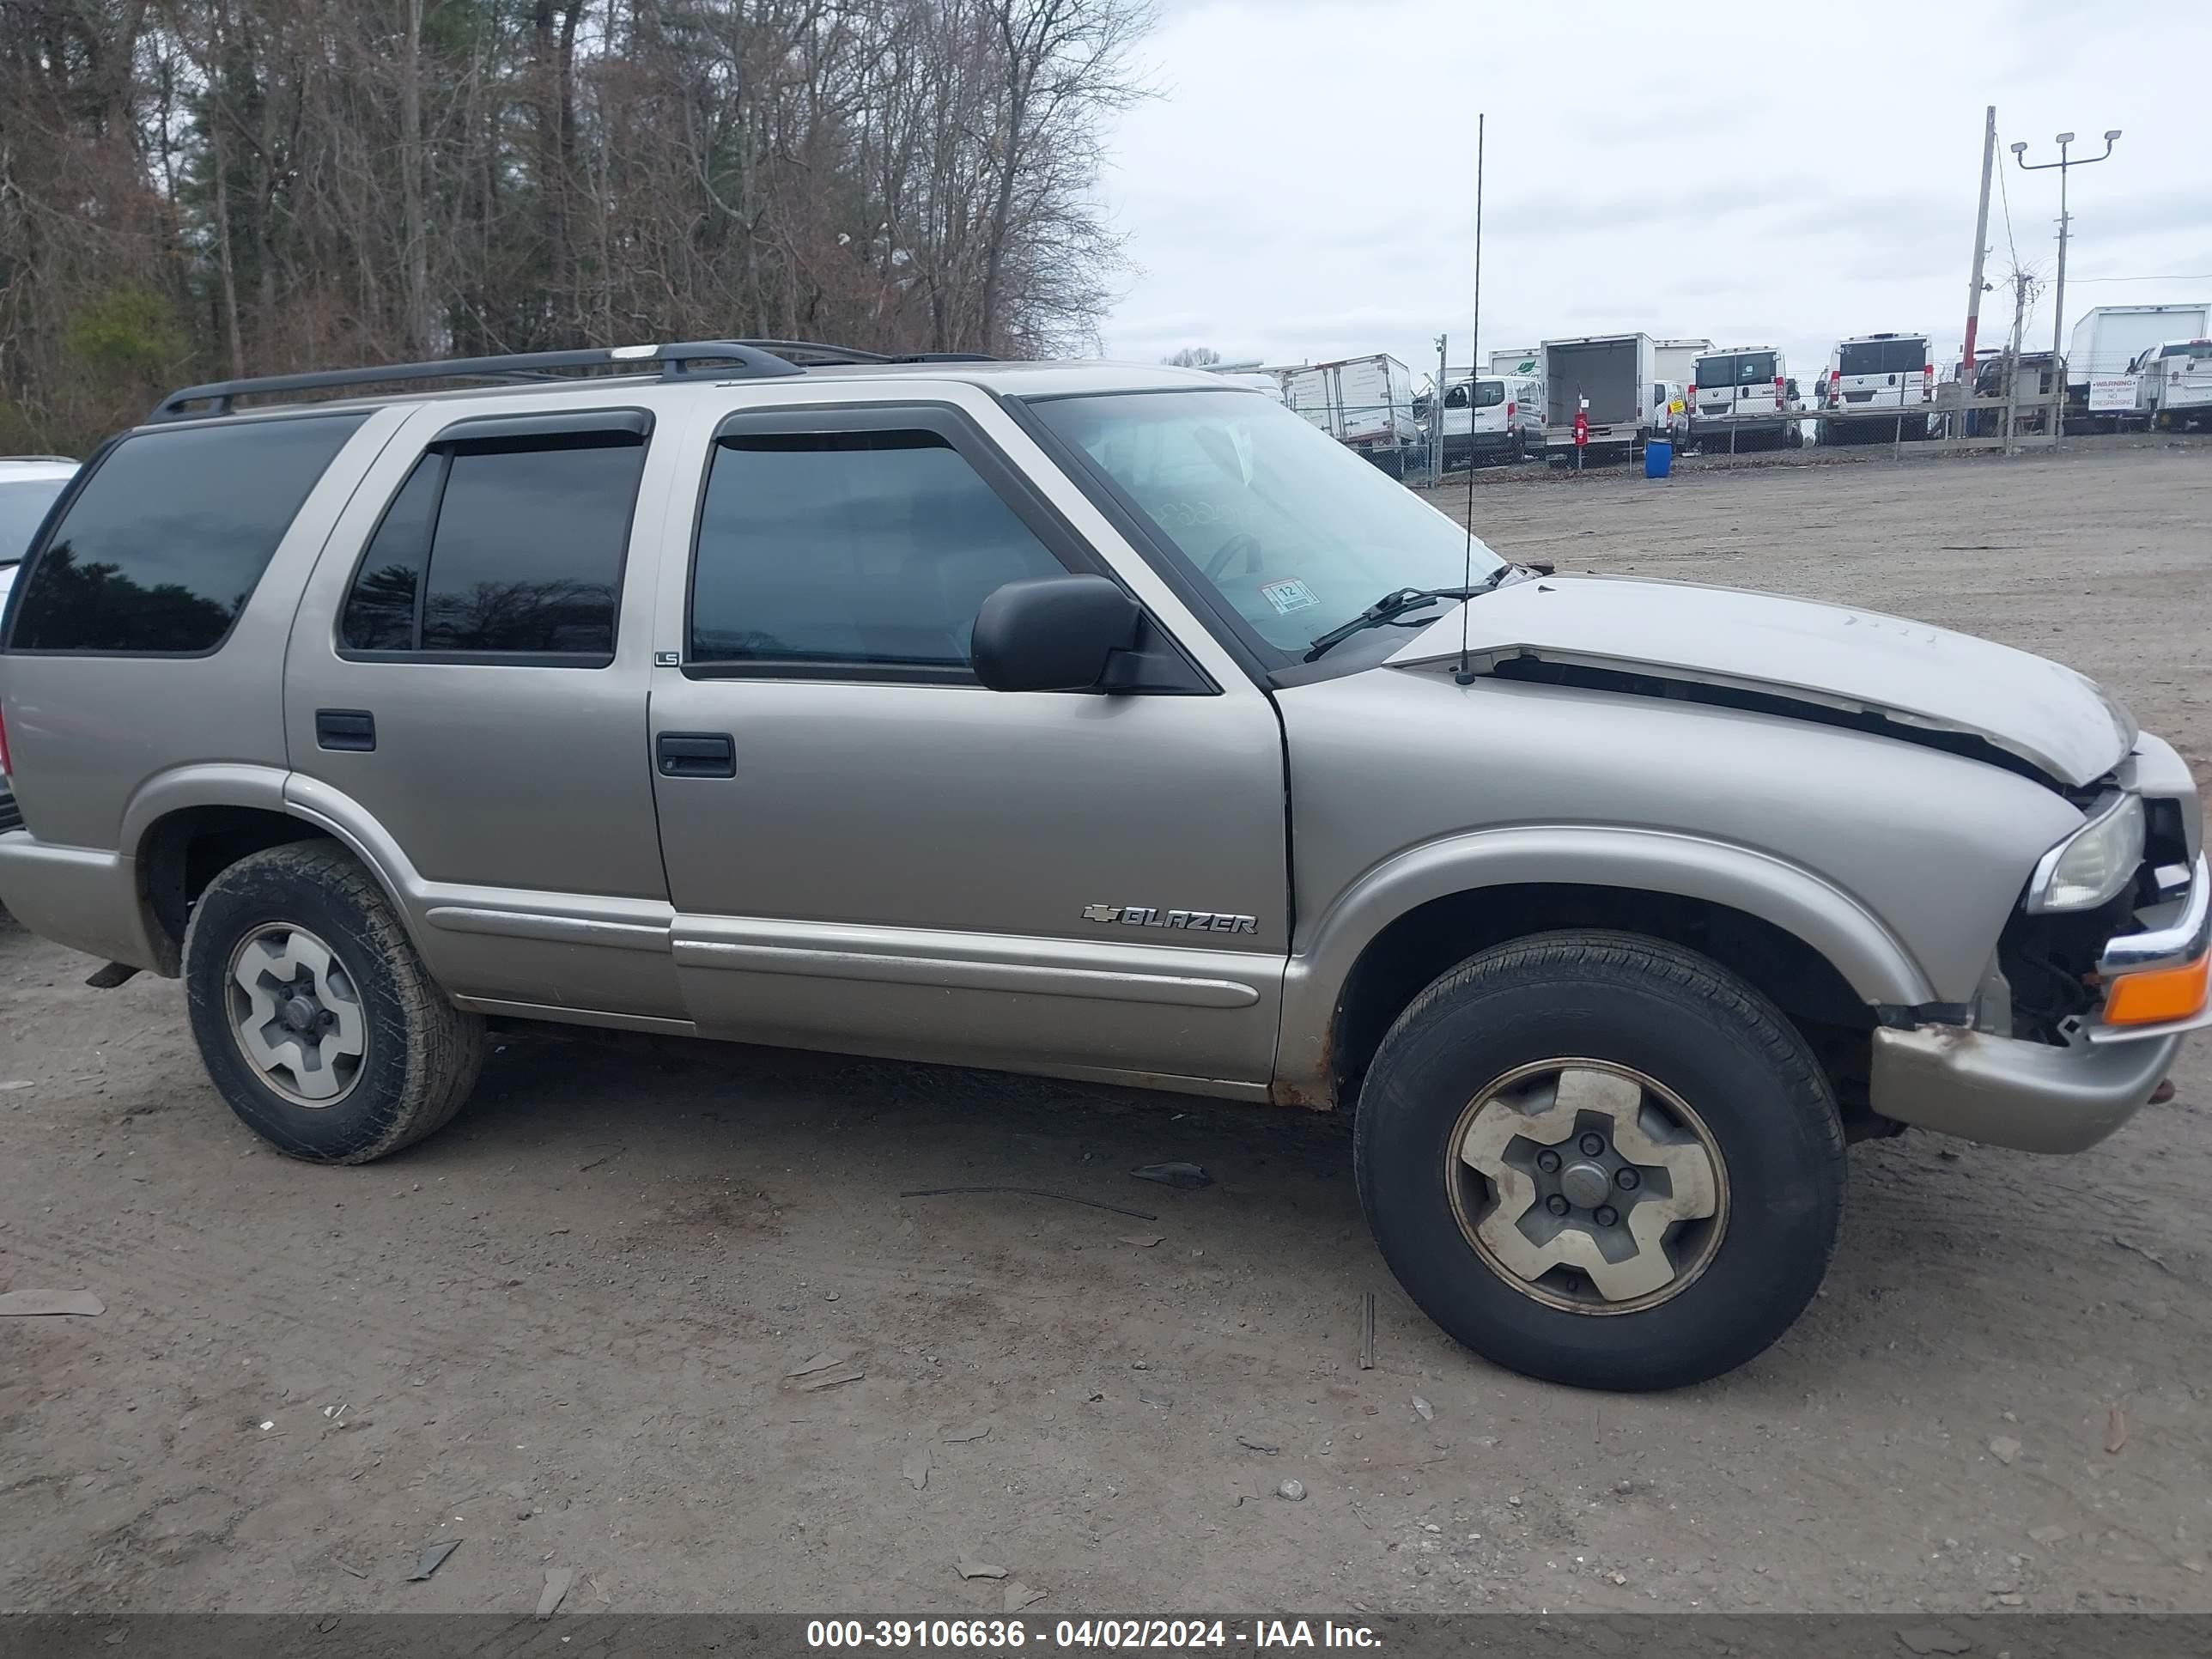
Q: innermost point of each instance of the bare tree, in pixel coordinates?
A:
(190, 188)
(1192, 357)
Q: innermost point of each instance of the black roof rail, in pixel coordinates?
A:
(674, 361)
(823, 352)
(820, 350)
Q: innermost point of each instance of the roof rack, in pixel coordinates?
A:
(821, 352)
(674, 361)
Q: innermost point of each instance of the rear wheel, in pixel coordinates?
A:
(1602, 1160)
(318, 1023)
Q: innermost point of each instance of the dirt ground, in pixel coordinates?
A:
(561, 1332)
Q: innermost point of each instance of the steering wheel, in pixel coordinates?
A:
(1244, 542)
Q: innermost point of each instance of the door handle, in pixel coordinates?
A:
(351, 729)
(696, 754)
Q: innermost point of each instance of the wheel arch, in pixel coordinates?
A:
(1819, 952)
(185, 827)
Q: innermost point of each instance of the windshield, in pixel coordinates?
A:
(1294, 531)
(23, 505)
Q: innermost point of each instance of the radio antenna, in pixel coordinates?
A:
(1466, 675)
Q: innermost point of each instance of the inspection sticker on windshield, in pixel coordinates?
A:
(1288, 596)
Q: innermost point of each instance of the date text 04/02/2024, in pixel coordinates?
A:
(1006, 1635)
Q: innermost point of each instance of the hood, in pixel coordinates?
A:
(1833, 660)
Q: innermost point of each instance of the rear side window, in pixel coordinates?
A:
(163, 546)
(508, 547)
(872, 549)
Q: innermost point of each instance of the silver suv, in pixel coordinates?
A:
(1095, 723)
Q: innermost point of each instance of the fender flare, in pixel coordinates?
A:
(279, 790)
(1829, 920)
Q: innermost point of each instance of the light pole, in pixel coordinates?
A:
(2059, 299)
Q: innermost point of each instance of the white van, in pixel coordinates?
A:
(1879, 374)
(1493, 418)
(2176, 385)
(1743, 394)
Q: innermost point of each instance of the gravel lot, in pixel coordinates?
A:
(560, 1331)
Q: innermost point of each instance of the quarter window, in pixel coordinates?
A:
(871, 549)
(503, 547)
(167, 540)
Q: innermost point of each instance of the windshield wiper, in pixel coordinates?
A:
(1391, 606)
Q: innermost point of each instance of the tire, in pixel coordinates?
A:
(1614, 1003)
(418, 1055)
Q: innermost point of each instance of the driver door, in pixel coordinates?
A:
(867, 851)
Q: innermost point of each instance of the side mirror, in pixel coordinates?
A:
(1053, 633)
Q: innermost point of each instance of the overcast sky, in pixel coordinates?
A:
(1769, 174)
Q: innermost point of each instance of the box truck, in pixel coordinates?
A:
(1607, 378)
(1365, 404)
(2102, 358)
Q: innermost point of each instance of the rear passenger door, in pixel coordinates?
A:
(868, 851)
(469, 692)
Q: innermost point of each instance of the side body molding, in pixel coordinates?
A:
(1851, 938)
(506, 945)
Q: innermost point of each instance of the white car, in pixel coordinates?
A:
(28, 486)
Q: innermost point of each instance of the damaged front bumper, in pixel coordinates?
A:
(2049, 1097)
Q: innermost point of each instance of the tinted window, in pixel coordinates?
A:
(23, 506)
(1753, 367)
(1882, 357)
(850, 547)
(511, 547)
(1488, 394)
(162, 547)
(2193, 349)
(1716, 371)
(379, 613)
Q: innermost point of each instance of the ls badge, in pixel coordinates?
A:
(1143, 915)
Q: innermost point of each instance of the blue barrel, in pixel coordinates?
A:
(1658, 459)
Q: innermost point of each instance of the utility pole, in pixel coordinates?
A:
(1981, 246)
(1437, 415)
(2021, 285)
(2058, 299)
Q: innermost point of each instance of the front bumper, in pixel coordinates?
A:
(2041, 1097)
(2033, 1096)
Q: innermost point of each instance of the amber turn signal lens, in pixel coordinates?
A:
(2163, 993)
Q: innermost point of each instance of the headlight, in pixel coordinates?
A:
(2093, 863)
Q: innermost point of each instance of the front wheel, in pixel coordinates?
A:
(319, 1026)
(1601, 1159)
